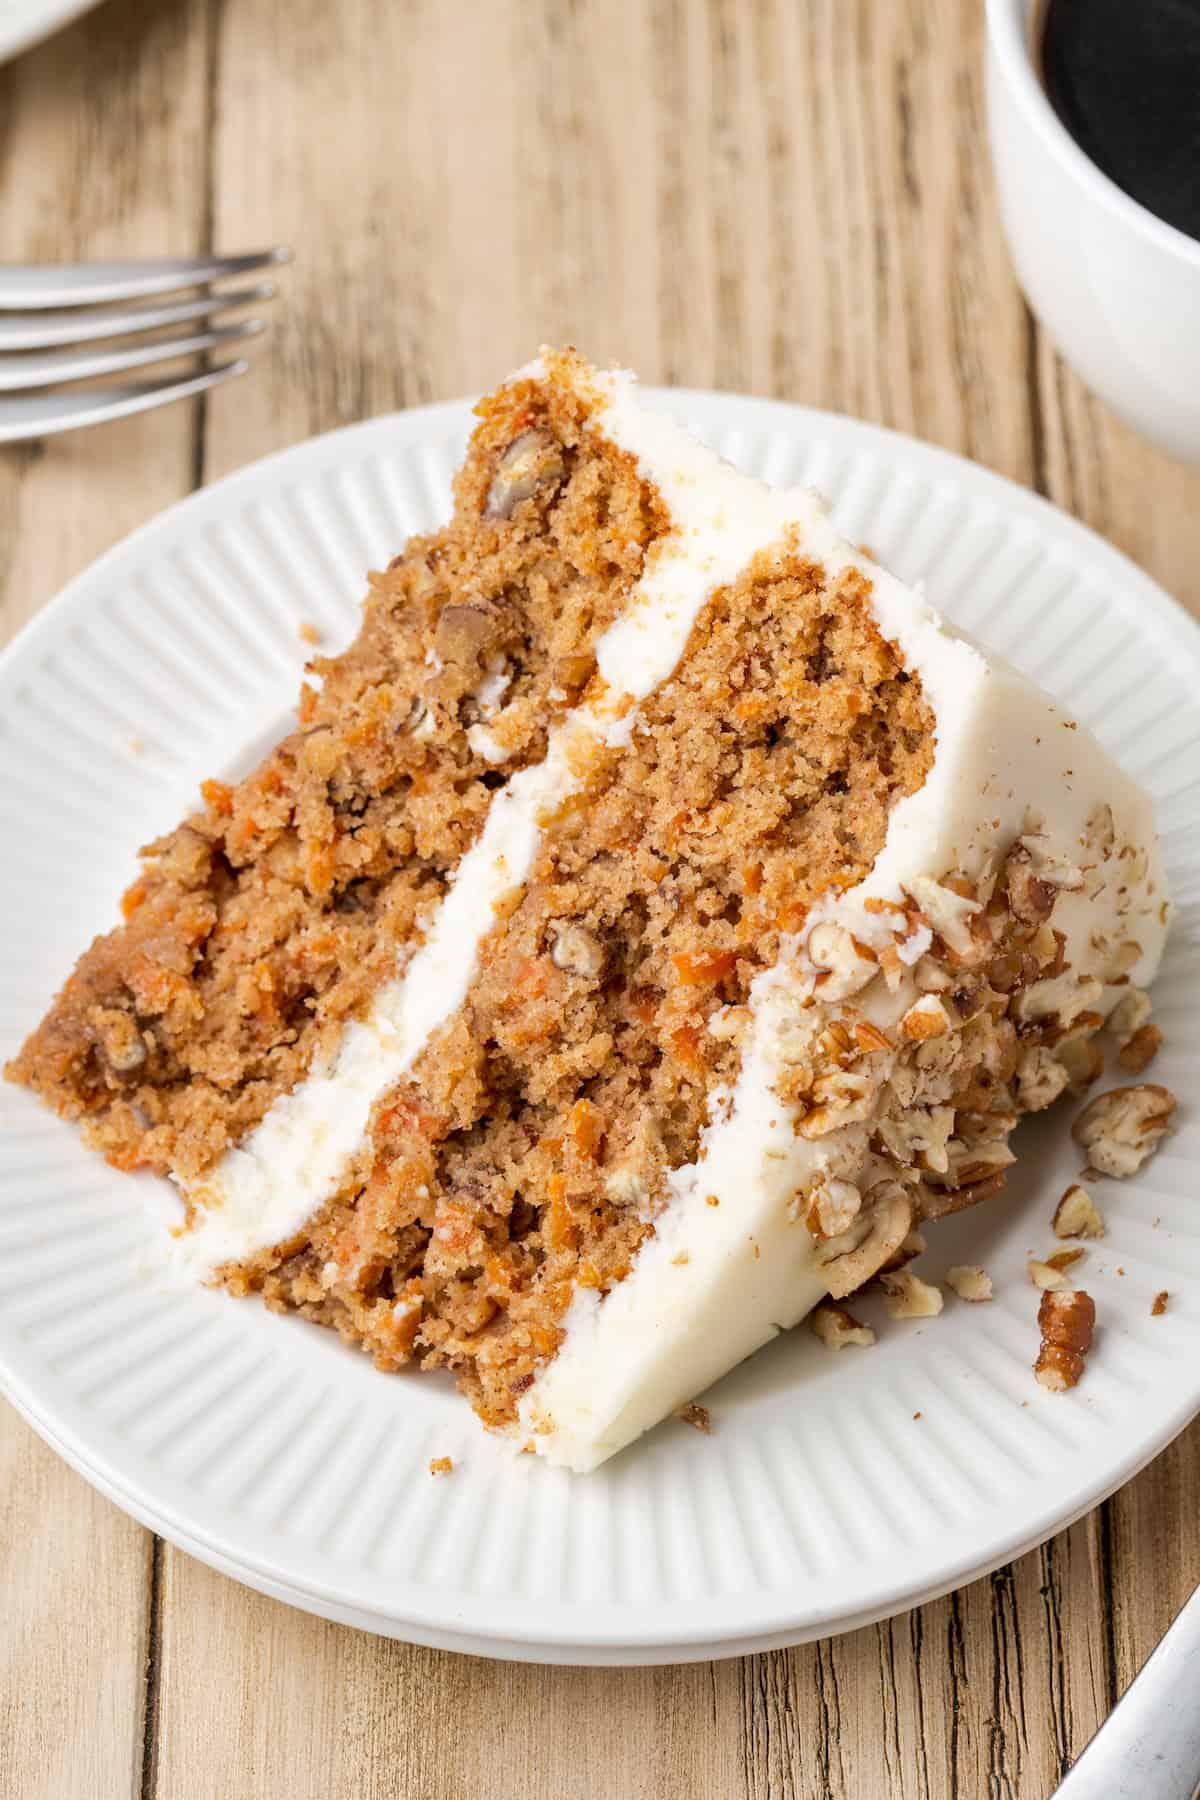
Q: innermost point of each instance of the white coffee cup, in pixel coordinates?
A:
(1116, 288)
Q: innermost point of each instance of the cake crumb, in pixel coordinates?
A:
(308, 633)
(441, 1465)
(1159, 1305)
(695, 1415)
(916, 1415)
(682, 1258)
(712, 1200)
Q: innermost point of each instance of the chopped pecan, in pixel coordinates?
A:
(906, 1296)
(877, 1234)
(912, 1245)
(1129, 1014)
(926, 1018)
(1041, 1078)
(532, 461)
(947, 913)
(1067, 1320)
(939, 1203)
(1076, 1216)
(1139, 1050)
(463, 631)
(842, 964)
(838, 1328)
(1083, 1059)
(832, 1207)
(970, 1282)
(1120, 1129)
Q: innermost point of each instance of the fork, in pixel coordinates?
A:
(56, 323)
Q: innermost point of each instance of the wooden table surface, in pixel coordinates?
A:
(791, 198)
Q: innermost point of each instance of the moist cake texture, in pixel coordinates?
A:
(656, 916)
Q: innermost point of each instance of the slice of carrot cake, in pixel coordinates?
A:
(656, 915)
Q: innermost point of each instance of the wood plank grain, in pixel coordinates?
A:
(102, 152)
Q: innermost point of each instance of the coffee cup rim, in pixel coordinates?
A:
(1011, 46)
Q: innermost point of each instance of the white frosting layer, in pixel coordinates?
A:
(716, 1282)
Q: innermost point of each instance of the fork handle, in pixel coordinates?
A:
(1149, 1747)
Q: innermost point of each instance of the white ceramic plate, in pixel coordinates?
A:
(24, 23)
(834, 1489)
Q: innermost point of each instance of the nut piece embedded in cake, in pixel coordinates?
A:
(842, 968)
(1041, 1078)
(1036, 878)
(1120, 1129)
(970, 1282)
(1076, 1215)
(878, 1231)
(576, 951)
(837, 1328)
(913, 1245)
(532, 461)
(926, 1018)
(832, 1208)
(906, 1296)
(946, 913)
(1066, 1321)
(1083, 1059)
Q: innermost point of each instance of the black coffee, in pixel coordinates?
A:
(1124, 78)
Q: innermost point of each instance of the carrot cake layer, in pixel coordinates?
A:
(670, 917)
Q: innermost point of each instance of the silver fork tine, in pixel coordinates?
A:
(76, 325)
(42, 415)
(26, 286)
(18, 373)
